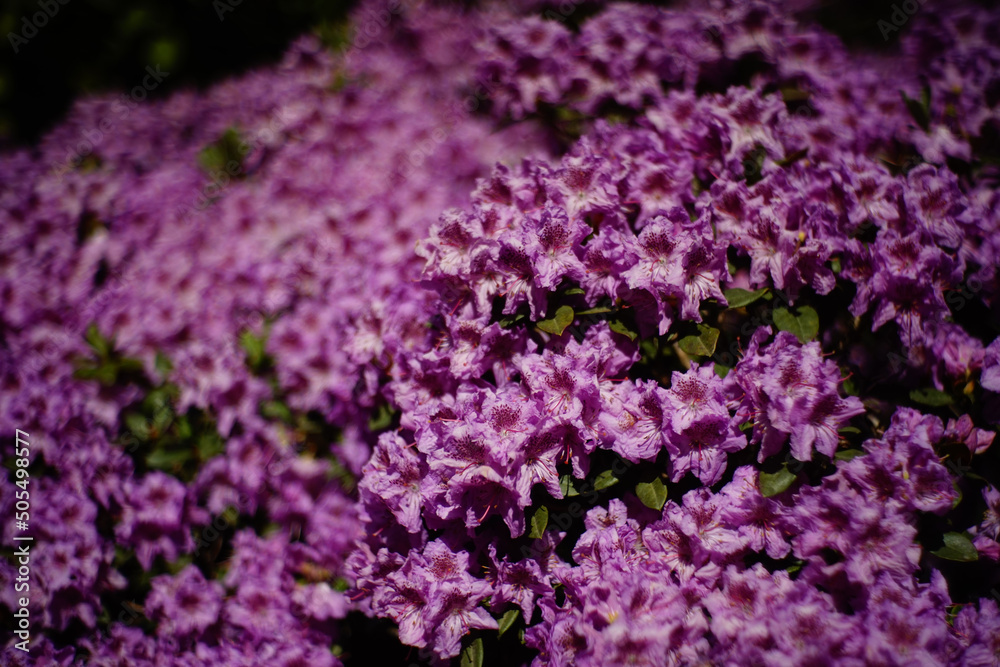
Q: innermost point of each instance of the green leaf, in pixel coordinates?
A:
(919, 112)
(619, 327)
(600, 310)
(649, 349)
(507, 621)
(130, 365)
(184, 429)
(106, 374)
(652, 494)
(209, 445)
(848, 454)
(753, 164)
(225, 154)
(277, 410)
(574, 290)
(339, 82)
(163, 459)
(605, 480)
(722, 370)
(162, 397)
(163, 417)
(958, 494)
(254, 346)
(792, 157)
(804, 323)
(957, 546)
(703, 344)
(771, 484)
(850, 430)
(100, 344)
(338, 472)
(472, 654)
(539, 520)
(566, 486)
(556, 325)
(507, 321)
(173, 567)
(137, 425)
(931, 397)
(795, 567)
(739, 298)
(163, 364)
(382, 419)
(89, 225)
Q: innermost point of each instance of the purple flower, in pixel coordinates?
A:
(396, 477)
(605, 259)
(987, 533)
(902, 470)
(482, 491)
(553, 242)
(184, 604)
(396, 237)
(759, 520)
(640, 426)
(455, 610)
(979, 632)
(792, 393)
(153, 516)
(872, 539)
(702, 447)
(674, 268)
(321, 602)
(434, 599)
(692, 540)
(585, 184)
(520, 583)
(704, 430)
(990, 378)
(907, 622)
(962, 430)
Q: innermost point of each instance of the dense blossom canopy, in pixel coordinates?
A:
(591, 334)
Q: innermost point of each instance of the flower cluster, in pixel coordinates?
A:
(662, 590)
(196, 347)
(642, 231)
(792, 394)
(662, 336)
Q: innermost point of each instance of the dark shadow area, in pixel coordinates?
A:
(57, 50)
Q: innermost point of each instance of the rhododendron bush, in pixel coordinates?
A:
(545, 334)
